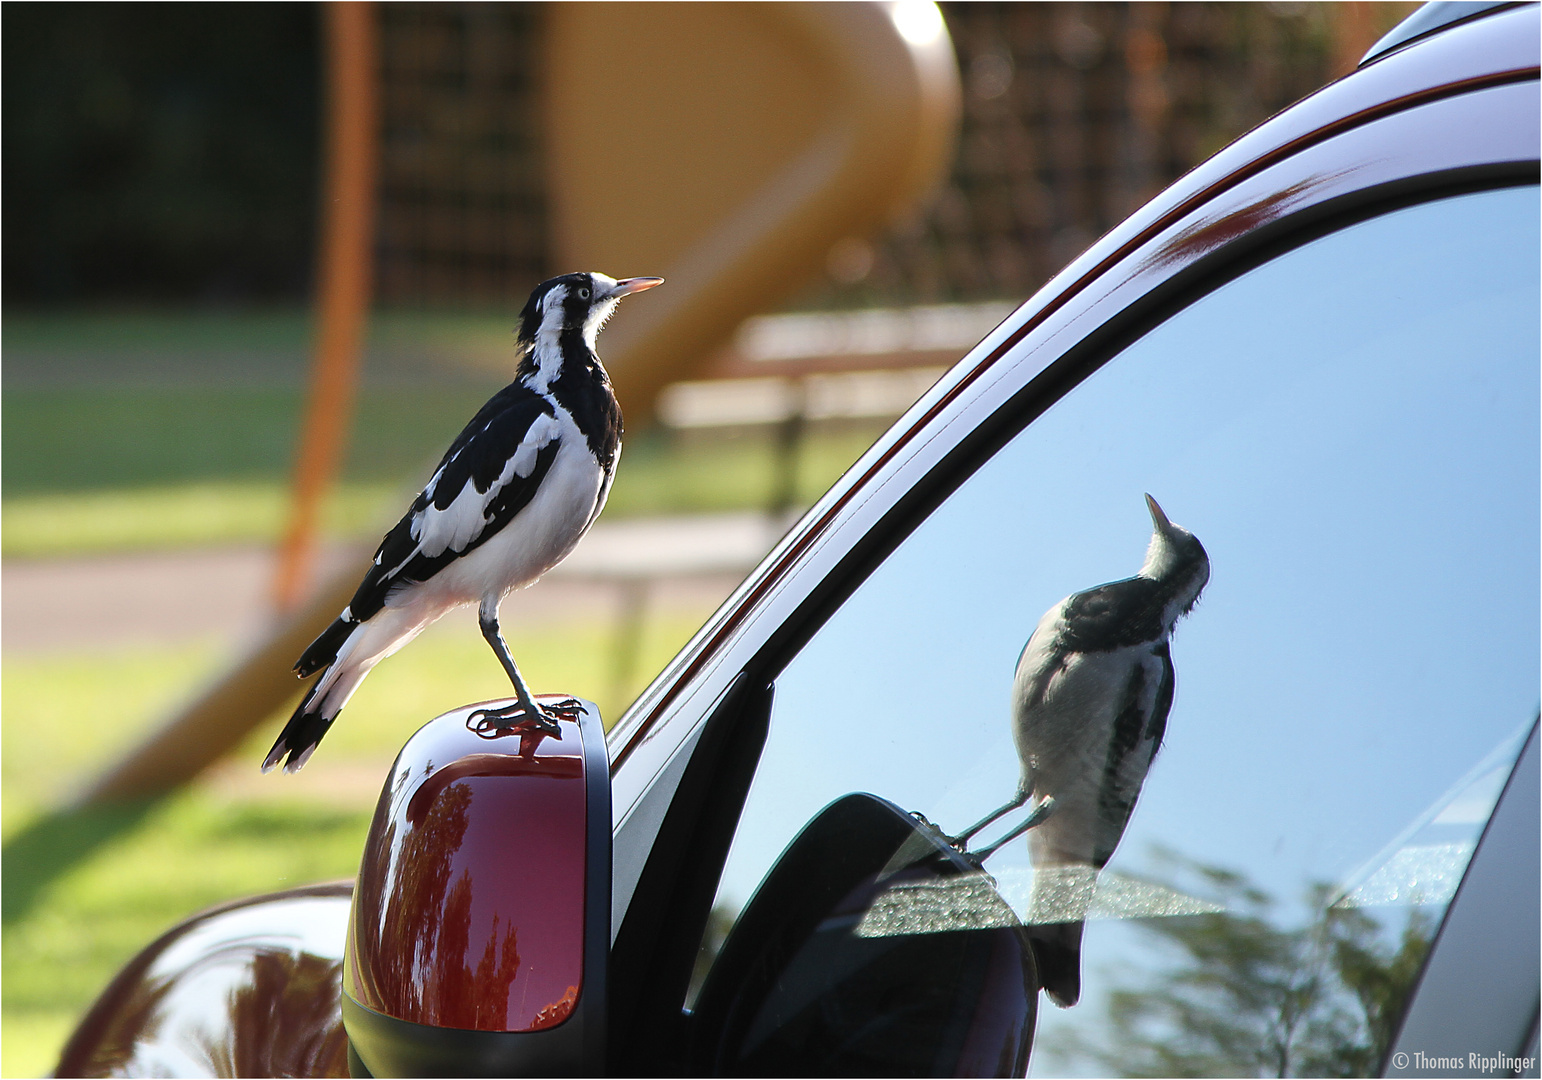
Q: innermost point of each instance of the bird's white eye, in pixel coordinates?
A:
(583, 294)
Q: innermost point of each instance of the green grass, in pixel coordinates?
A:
(238, 833)
(110, 329)
(731, 470)
(122, 691)
(657, 475)
(115, 332)
(171, 516)
(92, 439)
(132, 430)
(99, 915)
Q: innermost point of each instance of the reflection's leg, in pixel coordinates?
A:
(1045, 808)
(961, 841)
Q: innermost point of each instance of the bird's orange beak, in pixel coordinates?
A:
(627, 286)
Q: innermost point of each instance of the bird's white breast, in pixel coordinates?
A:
(1068, 728)
(1065, 707)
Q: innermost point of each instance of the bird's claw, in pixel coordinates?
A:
(496, 723)
(569, 709)
(957, 843)
(1035, 818)
(516, 718)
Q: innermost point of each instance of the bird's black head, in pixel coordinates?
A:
(568, 311)
(1177, 559)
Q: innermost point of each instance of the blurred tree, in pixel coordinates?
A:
(159, 151)
(1248, 997)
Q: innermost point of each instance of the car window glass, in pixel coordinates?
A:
(1351, 431)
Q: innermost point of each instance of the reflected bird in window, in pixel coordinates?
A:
(1089, 704)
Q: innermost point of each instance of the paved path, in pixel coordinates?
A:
(154, 597)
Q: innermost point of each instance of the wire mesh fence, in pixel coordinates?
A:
(172, 155)
(1074, 113)
(462, 190)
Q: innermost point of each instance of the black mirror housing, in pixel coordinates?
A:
(872, 948)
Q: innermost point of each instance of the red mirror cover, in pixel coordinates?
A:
(469, 910)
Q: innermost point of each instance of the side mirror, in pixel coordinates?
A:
(479, 936)
(872, 948)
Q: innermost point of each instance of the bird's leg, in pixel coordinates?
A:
(1045, 808)
(1024, 789)
(541, 718)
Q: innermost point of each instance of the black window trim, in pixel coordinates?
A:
(655, 947)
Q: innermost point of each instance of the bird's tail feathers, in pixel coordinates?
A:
(328, 644)
(1057, 952)
(301, 735)
(314, 715)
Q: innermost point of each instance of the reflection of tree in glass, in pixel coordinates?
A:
(1248, 998)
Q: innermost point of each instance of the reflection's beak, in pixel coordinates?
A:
(1158, 518)
(627, 286)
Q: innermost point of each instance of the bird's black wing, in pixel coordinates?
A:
(1115, 615)
(489, 474)
(1156, 727)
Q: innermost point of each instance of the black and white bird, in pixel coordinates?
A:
(1090, 701)
(513, 495)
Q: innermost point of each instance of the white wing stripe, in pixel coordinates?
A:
(454, 526)
(540, 435)
(458, 524)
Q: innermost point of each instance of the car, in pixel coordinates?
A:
(1318, 351)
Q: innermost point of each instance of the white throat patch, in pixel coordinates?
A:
(1160, 557)
(596, 320)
